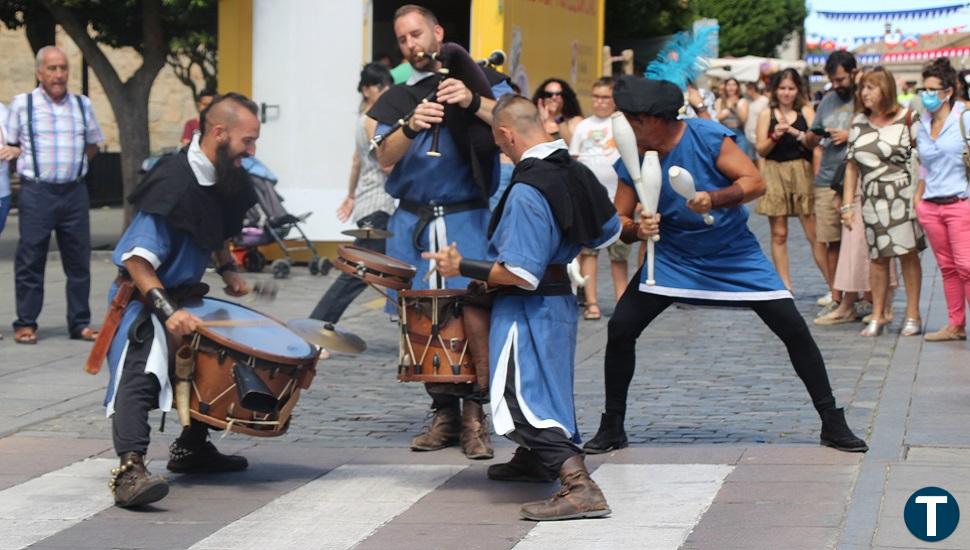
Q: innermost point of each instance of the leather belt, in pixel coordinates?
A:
(945, 200)
(428, 212)
(554, 282)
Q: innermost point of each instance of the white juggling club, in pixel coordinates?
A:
(651, 178)
(647, 194)
(683, 183)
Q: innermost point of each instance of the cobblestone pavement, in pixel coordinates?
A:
(703, 375)
(716, 416)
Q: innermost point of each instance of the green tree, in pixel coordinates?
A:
(752, 27)
(646, 18)
(153, 28)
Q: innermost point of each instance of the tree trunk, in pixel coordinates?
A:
(132, 117)
(129, 100)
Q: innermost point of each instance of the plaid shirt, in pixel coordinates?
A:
(58, 133)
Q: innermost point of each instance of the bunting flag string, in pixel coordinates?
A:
(897, 57)
(814, 41)
(896, 15)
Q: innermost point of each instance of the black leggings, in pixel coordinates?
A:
(637, 309)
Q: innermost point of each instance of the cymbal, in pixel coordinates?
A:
(367, 233)
(327, 336)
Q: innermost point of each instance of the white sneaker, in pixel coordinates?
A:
(824, 300)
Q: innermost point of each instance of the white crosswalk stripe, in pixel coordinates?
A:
(654, 506)
(335, 511)
(43, 506)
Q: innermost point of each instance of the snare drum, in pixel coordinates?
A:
(374, 268)
(244, 349)
(433, 346)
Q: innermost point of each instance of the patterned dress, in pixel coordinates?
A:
(883, 157)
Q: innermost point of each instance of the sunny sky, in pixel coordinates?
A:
(817, 25)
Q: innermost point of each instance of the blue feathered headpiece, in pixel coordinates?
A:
(684, 56)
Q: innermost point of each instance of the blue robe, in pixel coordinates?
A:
(178, 260)
(719, 263)
(445, 180)
(538, 332)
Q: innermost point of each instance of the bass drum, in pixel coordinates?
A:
(249, 369)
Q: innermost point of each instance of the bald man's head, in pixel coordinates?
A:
(516, 126)
(518, 113)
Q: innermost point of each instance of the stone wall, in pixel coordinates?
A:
(170, 105)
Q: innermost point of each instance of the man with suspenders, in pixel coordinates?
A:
(53, 134)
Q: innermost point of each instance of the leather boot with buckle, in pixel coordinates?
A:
(609, 437)
(202, 458)
(475, 442)
(837, 434)
(524, 466)
(578, 496)
(443, 431)
(133, 485)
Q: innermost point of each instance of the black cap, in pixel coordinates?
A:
(638, 95)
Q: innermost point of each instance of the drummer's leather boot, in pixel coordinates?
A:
(475, 442)
(524, 466)
(133, 485)
(837, 434)
(193, 453)
(443, 431)
(578, 496)
(609, 437)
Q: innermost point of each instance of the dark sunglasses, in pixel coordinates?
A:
(546, 94)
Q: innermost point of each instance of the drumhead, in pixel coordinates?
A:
(256, 334)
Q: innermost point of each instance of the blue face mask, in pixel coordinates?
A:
(931, 100)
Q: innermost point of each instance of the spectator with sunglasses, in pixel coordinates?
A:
(559, 110)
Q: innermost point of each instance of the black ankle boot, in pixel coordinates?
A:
(609, 437)
(836, 433)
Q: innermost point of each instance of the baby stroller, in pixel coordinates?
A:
(267, 222)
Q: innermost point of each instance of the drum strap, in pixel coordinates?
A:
(126, 289)
(426, 213)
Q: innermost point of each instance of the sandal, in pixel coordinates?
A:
(592, 312)
(87, 334)
(25, 335)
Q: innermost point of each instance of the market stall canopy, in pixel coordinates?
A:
(749, 67)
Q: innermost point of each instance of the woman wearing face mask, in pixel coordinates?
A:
(880, 152)
(559, 109)
(941, 195)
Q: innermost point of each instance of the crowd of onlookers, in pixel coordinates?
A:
(871, 170)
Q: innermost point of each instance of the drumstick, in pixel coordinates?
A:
(432, 271)
(238, 322)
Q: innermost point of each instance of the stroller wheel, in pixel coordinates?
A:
(254, 261)
(281, 269)
(314, 265)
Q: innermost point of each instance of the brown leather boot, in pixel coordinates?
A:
(133, 485)
(578, 496)
(443, 431)
(475, 442)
